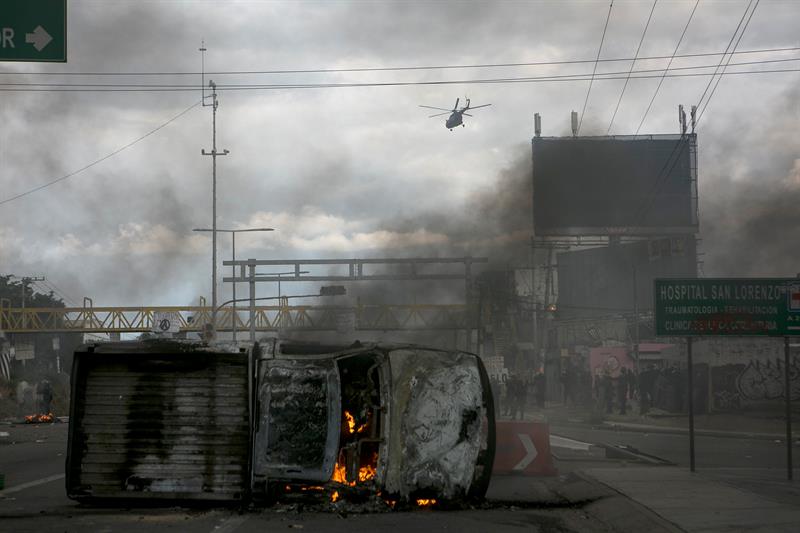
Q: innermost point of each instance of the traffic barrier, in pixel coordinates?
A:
(523, 448)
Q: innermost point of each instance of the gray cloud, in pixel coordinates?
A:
(365, 160)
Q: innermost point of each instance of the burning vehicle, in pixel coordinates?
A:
(408, 422)
(165, 419)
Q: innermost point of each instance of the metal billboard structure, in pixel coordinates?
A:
(618, 279)
(615, 185)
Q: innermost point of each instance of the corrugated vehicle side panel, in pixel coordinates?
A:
(169, 426)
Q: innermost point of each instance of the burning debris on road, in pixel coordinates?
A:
(40, 418)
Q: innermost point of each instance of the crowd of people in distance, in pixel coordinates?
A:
(511, 394)
(607, 390)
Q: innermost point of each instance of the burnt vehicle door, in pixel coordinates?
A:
(298, 411)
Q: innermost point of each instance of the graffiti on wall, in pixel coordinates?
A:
(766, 380)
(758, 380)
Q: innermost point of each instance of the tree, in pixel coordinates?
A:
(11, 288)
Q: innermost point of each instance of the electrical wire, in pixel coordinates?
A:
(61, 293)
(391, 69)
(536, 79)
(686, 27)
(703, 110)
(727, 48)
(95, 162)
(628, 78)
(591, 82)
(683, 142)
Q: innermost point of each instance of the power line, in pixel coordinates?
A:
(703, 110)
(591, 82)
(61, 293)
(722, 59)
(683, 142)
(93, 163)
(480, 81)
(668, 65)
(242, 85)
(628, 78)
(394, 69)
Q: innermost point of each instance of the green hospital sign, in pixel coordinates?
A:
(734, 307)
(33, 30)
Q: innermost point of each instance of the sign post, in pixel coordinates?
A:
(33, 30)
(691, 402)
(787, 388)
(766, 307)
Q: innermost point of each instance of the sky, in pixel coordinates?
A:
(362, 171)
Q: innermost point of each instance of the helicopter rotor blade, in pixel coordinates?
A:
(477, 106)
(439, 114)
(437, 108)
(456, 106)
(466, 114)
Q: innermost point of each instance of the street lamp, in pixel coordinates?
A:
(233, 233)
(279, 274)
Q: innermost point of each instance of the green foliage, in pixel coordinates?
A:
(11, 289)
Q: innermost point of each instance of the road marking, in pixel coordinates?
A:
(530, 451)
(30, 484)
(231, 524)
(563, 442)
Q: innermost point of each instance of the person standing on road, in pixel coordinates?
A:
(607, 389)
(495, 384)
(539, 386)
(622, 390)
(522, 393)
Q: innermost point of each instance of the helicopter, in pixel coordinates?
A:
(456, 114)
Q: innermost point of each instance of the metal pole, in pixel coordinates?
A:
(214, 207)
(636, 332)
(233, 271)
(252, 275)
(213, 153)
(787, 392)
(24, 281)
(691, 404)
(468, 298)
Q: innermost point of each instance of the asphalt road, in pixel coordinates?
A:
(34, 500)
(758, 465)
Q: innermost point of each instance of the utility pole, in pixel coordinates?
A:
(213, 153)
(24, 283)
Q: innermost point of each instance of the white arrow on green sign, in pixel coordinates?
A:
(33, 30)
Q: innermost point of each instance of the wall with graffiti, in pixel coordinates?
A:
(748, 373)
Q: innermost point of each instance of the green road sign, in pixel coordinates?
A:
(33, 30)
(734, 307)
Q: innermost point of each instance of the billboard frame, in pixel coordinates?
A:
(632, 231)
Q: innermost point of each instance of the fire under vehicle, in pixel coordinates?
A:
(185, 420)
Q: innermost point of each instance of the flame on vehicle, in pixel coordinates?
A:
(351, 424)
(426, 502)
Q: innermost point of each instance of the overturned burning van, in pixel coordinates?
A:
(406, 421)
(183, 420)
